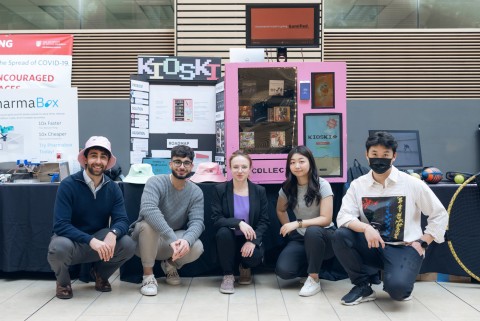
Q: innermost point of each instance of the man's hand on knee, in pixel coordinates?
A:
(180, 249)
(104, 250)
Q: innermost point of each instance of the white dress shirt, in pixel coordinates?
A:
(410, 198)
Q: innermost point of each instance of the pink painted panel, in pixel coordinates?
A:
(304, 73)
(266, 171)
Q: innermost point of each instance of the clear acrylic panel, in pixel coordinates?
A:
(267, 109)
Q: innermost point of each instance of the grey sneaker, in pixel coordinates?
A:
(227, 284)
(171, 273)
(358, 294)
(245, 275)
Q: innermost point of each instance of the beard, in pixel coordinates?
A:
(95, 172)
(176, 175)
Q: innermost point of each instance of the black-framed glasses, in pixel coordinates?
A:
(178, 163)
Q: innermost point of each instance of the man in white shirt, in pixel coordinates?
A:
(380, 225)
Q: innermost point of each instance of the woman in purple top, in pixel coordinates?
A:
(240, 216)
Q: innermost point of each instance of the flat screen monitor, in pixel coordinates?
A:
(409, 154)
(282, 25)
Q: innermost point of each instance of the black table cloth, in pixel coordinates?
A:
(26, 214)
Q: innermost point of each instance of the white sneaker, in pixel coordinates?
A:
(171, 273)
(310, 287)
(149, 285)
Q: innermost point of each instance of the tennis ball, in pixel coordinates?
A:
(415, 175)
(459, 179)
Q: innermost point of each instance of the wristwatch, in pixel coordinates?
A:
(115, 231)
(423, 244)
(300, 222)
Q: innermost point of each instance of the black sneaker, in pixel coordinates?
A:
(358, 294)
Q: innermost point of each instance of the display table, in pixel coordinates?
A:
(26, 223)
(26, 215)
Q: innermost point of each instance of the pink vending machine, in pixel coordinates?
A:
(272, 107)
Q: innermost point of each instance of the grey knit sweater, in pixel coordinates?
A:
(167, 209)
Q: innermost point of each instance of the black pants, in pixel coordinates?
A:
(400, 264)
(304, 254)
(228, 248)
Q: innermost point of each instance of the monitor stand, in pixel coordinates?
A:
(282, 54)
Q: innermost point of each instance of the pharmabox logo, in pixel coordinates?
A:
(47, 103)
(39, 102)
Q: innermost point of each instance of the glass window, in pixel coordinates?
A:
(402, 14)
(87, 14)
(449, 14)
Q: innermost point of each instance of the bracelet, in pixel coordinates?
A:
(300, 223)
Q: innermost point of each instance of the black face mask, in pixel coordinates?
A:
(380, 165)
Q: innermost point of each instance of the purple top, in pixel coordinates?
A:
(241, 208)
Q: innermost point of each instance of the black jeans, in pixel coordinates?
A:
(228, 248)
(400, 264)
(304, 254)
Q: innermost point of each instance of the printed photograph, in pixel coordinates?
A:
(277, 139)
(247, 140)
(245, 113)
(281, 114)
(276, 87)
(323, 90)
(183, 110)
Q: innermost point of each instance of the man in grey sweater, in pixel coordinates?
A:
(169, 204)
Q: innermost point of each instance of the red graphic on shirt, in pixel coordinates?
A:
(367, 202)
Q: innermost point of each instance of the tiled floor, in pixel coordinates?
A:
(268, 298)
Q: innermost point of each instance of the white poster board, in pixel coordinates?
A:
(43, 124)
(182, 109)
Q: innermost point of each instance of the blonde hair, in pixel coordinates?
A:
(239, 153)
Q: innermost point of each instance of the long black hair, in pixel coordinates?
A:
(290, 187)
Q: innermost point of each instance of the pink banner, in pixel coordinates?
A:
(36, 44)
(35, 61)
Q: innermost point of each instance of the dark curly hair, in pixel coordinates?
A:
(183, 151)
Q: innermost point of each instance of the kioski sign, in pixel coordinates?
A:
(180, 68)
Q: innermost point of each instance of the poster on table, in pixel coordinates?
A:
(39, 125)
(35, 61)
(323, 135)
